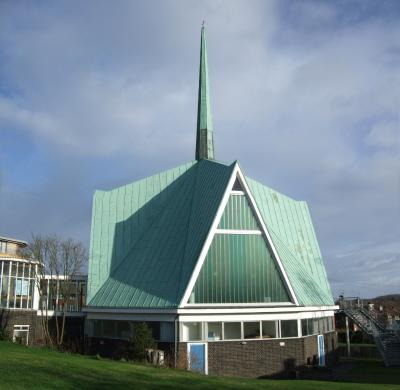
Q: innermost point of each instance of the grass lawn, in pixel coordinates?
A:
(35, 368)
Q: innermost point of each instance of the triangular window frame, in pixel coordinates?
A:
(237, 175)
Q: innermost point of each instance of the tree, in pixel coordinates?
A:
(141, 340)
(58, 263)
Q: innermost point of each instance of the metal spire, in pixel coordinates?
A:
(204, 138)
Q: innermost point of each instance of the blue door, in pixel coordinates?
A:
(321, 350)
(197, 357)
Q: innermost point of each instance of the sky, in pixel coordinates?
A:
(305, 94)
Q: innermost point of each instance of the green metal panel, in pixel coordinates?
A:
(239, 268)
(204, 138)
(238, 214)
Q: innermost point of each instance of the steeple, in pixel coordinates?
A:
(204, 138)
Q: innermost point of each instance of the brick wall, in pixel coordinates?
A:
(255, 358)
(259, 358)
(9, 318)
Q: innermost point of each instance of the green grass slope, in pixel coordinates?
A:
(34, 368)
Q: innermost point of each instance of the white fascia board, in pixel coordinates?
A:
(129, 311)
(267, 235)
(132, 317)
(266, 310)
(252, 317)
(209, 238)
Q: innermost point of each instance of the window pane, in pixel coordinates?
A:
(192, 331)
(232, 330)
(97, 328)
(13, 269)
(289, 328)
(6, 268)
(12, 292)
(123, 330)
(4, 289)
(310, 326)
(167, 331)
(251, 330)
(214, 331)
(315, 326)
(269, 329)
(20, 271)
(108, 329)
(304, 327)
(321, 325)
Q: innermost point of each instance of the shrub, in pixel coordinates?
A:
(141, 340)
(4, 336)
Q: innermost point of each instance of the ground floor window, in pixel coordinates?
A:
(232, 330)
(214, 331)
(251, 330)
(120, 329)
(21, 334)
(311, 326)
(269, 329)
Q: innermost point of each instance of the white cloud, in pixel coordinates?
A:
(306, 96)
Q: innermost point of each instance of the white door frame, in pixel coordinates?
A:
(205, 354)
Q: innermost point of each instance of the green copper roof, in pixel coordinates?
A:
(147, 236)
(204, 138)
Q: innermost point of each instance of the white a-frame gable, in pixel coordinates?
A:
(236, 174)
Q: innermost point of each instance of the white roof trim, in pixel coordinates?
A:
(236, 173)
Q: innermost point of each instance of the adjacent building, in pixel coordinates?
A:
(20, 304)
(226, 271)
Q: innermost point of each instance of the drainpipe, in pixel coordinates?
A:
(176, 341)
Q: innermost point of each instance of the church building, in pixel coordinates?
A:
(226, 271)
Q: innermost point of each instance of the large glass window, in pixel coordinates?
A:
(239, 268)
(251, 330)
(289, 328)
(232, 330)
(269, 330)
(15, 282)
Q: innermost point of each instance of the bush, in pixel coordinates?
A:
(4, 336)
(141, 340)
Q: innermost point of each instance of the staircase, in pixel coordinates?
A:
(389, 347)
(387, 340)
